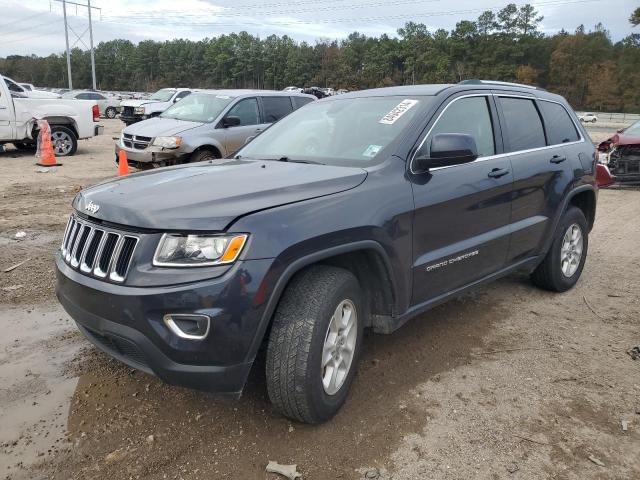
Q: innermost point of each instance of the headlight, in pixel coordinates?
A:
(138, 110)
(177, 250)
(167, 142)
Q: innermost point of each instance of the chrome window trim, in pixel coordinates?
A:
(499, 155)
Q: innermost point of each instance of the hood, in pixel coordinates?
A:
(159, 127)
(207, 197)
(622, 139)
(139, 103)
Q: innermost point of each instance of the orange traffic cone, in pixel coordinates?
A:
(47, 157)
(123, 164)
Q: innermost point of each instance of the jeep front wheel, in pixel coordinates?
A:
(315, 344)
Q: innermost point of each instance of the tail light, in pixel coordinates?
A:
(603, 176)
(96, 113)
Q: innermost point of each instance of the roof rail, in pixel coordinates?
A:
(475, 81)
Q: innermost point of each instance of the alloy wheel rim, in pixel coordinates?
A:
(571, 250)
(62, 143)
(339, 347)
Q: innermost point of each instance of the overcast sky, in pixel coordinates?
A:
(36, 27)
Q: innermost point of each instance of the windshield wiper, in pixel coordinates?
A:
(287, 159)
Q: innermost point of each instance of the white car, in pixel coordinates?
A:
(292, 89)
(109, 106)
(588, 118)
(137, 110)
(17, 88)
(70, 120)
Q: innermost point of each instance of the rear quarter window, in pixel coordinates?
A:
(560, 127)
(276, 108)
(300, 102)
(523, 125)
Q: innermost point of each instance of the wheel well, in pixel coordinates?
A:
(586, 201)
(213, 148)
(372, 274)
(64, 121)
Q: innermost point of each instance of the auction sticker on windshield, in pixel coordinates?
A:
(397, 111)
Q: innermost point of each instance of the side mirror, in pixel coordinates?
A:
(231, 122)
(177, 99)
(447, 149)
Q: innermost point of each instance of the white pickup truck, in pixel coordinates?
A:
(136, 110)
(70, 120)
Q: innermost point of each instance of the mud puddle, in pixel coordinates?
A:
(34, 394)
(122, 423)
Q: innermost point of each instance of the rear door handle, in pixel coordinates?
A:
(557, 159)
(498, 172)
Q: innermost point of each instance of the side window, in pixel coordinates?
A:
(247, 111)
(300, 102)
(470, 116)
(523, 125)
(83, 96)
(560, 127)
(12, 86)
(183, 94)
(275, 108)
(96, 96)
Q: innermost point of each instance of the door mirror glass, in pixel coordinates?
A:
(447, 149)
(231, 121)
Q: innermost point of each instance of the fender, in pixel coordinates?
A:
(297, 265)
(561, 210)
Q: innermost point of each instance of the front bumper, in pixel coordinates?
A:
(126, 322)
(129, 119)
(150, 155)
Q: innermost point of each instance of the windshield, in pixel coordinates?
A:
(198, 107)
(634, 129)
(163, 95)
(347, 132)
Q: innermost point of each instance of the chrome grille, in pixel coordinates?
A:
(96, 251)
(135, 141)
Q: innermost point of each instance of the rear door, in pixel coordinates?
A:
(248, 111)
(274, 108)
(462, 212)
(537, 137)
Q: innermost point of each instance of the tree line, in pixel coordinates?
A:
(585, 66)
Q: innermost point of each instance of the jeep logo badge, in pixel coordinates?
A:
(92, 207)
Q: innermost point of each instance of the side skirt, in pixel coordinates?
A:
(388, 324)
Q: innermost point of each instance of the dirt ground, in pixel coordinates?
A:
(506, 382)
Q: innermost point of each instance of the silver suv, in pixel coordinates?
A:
(205, 125)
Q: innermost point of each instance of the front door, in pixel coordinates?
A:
(250, 125)
(6, 114)
(462, 212)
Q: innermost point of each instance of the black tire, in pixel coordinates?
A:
(110, 112)
(549, 275)
(203, 155)
(70, 137)
(24, 145)
(294, 353)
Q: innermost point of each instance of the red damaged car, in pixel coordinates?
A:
(622, 154)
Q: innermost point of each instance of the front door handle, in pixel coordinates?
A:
(498, 172)
(557, 159)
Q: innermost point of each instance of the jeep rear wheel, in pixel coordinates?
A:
(315, 344)
(563, 264)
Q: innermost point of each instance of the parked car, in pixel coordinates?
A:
(70, 120)
(17, 88)
(621, 154)
(292, 89)
(363, 210)
(315, 91)
(136, 110)
(588, 118)
(205, 125)
(109, 106)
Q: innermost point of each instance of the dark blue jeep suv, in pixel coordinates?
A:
(356, 211)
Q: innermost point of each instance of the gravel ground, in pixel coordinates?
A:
(506, 382)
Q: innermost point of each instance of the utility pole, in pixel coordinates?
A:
(93, 60)
(66, 36)
(79, 37)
